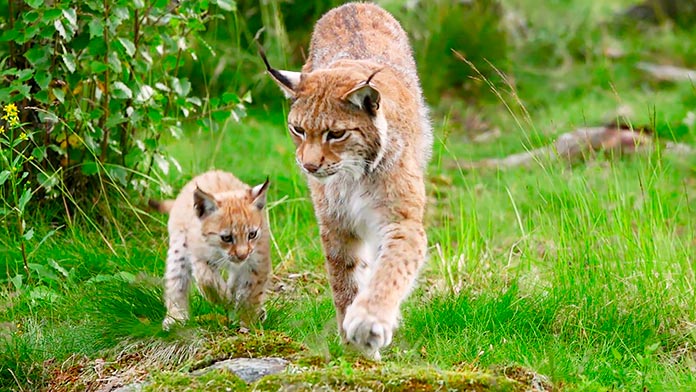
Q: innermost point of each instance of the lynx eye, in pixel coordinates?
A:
(297, 131)
(253, 234)
(227, 238)
(336, 135)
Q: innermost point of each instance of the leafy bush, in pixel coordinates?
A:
(97, 84)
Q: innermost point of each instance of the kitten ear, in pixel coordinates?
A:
(364, 95)
(204, 203)
(286, 80)
(258, 194)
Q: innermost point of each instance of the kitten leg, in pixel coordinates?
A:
(177, 280)
(251, 291)
(372, 317)
(341, 251)
(210, 283)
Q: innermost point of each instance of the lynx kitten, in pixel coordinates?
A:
(363, 137)
(217, 226)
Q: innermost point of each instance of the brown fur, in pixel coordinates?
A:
(361, 128)
(210, 226)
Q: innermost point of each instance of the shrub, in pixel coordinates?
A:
(97, 84)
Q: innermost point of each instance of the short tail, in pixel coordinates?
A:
(163, 206)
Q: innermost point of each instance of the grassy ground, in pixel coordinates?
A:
(584, 275)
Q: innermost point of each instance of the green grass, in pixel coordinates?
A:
(582, 274)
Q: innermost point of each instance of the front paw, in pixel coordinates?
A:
(368, 330)
(170, 321)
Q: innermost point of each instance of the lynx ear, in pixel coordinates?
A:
(365, 96)
(204, 203)
(286, 80)
(258, 194)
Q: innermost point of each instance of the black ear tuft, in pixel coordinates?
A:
(258, 194)
(286, 80)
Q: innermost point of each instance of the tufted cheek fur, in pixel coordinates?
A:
(310, 111)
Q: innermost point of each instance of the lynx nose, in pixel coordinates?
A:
(310, 167)
(241, 253)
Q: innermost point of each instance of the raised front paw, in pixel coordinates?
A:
(368, 331)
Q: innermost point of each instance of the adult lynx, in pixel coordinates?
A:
(217, 225)
(363, 138)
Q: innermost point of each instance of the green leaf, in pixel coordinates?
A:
(90, 168)
(30, 17)
(227, 5)
(114, 62)
(120, 90)
(154, 115)
(220, 115)
(37, 55)
(52, 14)
(96, 28)
(39, 153)
(98, 67)
(47, 181)
(34, 3)
(17, 281)
(60, 94)
(181, 86)
(29, 234)
(71, 16)
(43, 272)
(10, 35)
(162, 163)
(24, 199)
(58, 267)
(44, 294)
(43, 79)
(247, 97)
(4, 175)
(128, 45)
(69, 60)
(24, 75)
(146, 92)
(60, 29)
(230, 97)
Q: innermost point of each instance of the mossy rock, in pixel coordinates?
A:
(215, 380)
(247, 345)
(385, 379)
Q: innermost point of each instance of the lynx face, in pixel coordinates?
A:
(336, 124)
(230, 222)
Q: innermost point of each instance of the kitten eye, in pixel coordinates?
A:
(337, 135)
(253, 234)
(297, 131)
(227, 238)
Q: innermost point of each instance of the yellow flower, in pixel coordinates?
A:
(23, 136)
(11, 114)
(2, 129)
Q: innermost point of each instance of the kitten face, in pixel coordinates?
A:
(332, 135)
(232, 222)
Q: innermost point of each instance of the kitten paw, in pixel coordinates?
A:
(170, 321)
(368, 331)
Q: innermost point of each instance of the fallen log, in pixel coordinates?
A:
(583, 144)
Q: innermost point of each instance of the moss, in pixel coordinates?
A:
(247, 345)
(348, 378)
(215, 380)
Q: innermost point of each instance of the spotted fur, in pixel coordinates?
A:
(363, 138)
(217, 226)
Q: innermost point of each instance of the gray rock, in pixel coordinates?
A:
(248, 369)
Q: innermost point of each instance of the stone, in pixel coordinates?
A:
(248, 369)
